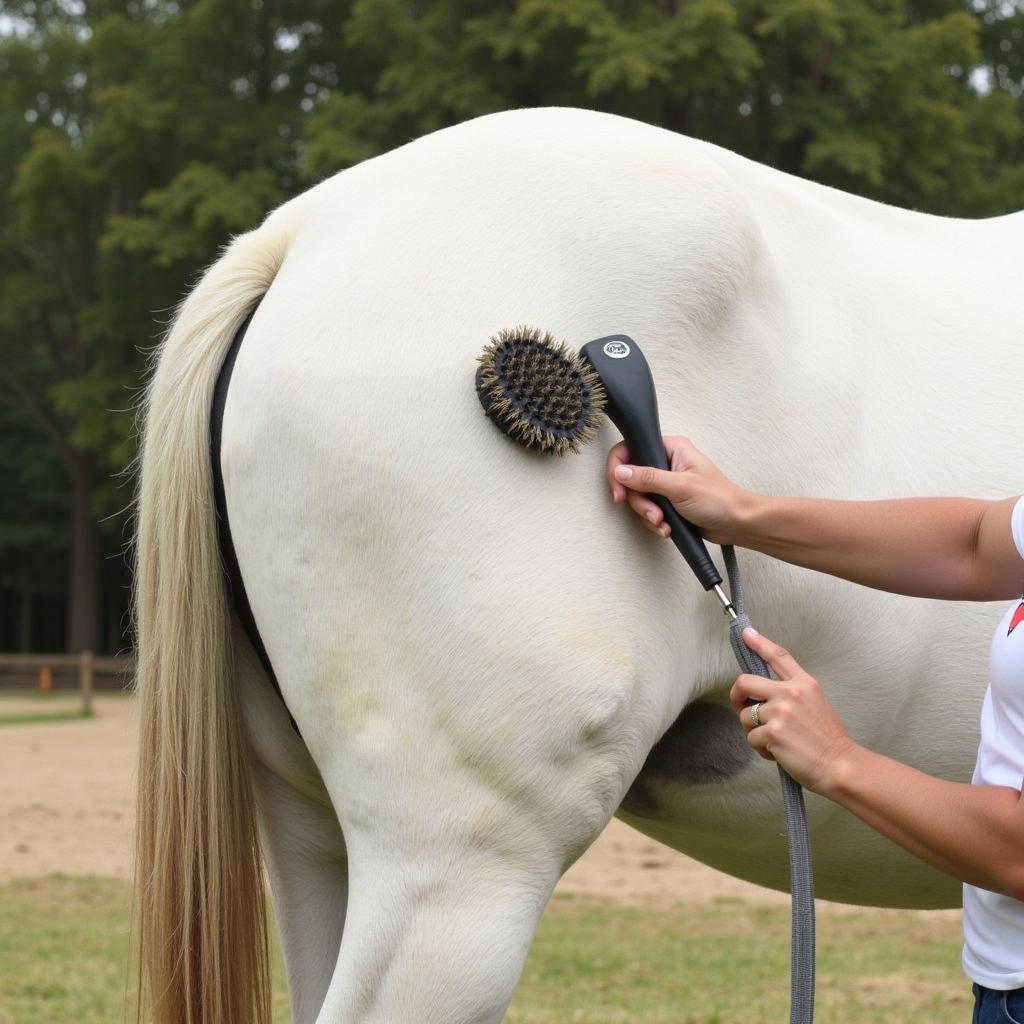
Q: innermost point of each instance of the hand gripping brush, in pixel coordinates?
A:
(549, 398)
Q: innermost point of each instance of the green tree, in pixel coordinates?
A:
(135, 137)
(917, 104)
(33, 527)
(131, 146)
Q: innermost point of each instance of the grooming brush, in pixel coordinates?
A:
(549, 398)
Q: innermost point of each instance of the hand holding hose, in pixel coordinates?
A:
(790, 719)
(698, 490)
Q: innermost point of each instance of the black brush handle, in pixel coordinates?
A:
(633, 408)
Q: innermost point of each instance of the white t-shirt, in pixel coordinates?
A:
(993, 953)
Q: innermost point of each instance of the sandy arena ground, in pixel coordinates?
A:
(66, 806)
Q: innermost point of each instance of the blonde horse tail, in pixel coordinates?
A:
(200, 907)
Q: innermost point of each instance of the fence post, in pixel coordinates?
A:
(45, 679)
(85, 681)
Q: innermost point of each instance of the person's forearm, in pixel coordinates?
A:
(922, 547)
(970, 832)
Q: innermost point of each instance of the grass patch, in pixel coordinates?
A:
(729, 962)
(57, 715)
(20, 707)
(64, 947)
(63, 693)
(64, 953)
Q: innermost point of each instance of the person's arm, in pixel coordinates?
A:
(952, 548)
(975, 833)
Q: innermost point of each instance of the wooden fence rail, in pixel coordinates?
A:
(116, 665)
(85, 665)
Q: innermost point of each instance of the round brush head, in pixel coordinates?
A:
(540, 392)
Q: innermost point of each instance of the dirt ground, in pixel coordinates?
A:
(66, 806)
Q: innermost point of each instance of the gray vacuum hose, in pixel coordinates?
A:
(801, 876)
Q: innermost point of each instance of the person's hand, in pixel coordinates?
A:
(799, 728)
(698, 490)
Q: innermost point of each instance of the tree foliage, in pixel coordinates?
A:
(137, 135)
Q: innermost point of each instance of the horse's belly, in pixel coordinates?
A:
(705, 793)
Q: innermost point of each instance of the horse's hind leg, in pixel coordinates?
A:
(446, 949)
(460, 815)
(440, 920)
(305, 858)
(302, 844)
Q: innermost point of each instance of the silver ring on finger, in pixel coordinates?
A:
(755, 713)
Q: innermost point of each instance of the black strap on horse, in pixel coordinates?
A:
(236, 588)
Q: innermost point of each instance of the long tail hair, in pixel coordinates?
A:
(201, 914)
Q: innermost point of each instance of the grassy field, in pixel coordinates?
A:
(19, 707)
(45, 715)
(63, 946)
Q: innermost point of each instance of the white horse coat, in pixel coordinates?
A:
(479, 649)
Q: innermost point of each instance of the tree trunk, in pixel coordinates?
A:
(24, 620)
(84, 589)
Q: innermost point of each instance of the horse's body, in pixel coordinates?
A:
(480, 650)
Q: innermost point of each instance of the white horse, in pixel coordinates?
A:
(479, 649)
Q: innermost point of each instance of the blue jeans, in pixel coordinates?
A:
(992, 1007)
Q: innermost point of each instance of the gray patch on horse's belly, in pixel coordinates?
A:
(704, 745)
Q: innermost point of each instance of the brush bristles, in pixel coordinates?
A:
(540, 391)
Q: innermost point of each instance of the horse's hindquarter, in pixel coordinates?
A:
(437, 603)
(421, 582)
